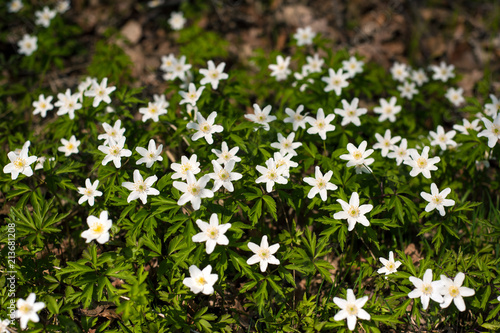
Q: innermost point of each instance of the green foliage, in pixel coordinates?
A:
(134, 282)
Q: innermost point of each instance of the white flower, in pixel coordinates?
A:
(193, 190)
(280, 70)
(43, 105)
(100, 92)
(43, 17)
(212, 233)
(492, 131)
(20, 162)
(272, 174)
(98, 228)
(304, 36)
(205, 127)
(385, 143)
(141, 188)
(115, 132)
(455, 96)
(186, 165)
(176, 20)
(419, 77)
(491, 109)
(223, 176)
(27, 45)
(301, 76)
(286, 145)
(69, 147)
(407, 90)
(150, 155)
(422, 163)
(213, 74)
(27, 310)
(62, 6)
(201, 280)
(13, 7)
(3, 326)
(89, 192)
(294, 117)
(225, 154)
(86, 84)
(357, 157)
(351, 308)
(352, 66)
(426, 289)
(285, 160)
(335, 81)
(313, 65)
(114, 151)
(452, 290)
(261, 117)
(399, 71)
(442, 139)
(263, 254)
(388, 110)
(350, 113)
(464, 129)
(437, 200)
(321, 125)
(179, 69)
(320, 184)
(390, 266)
(68, 103)
(168, 62)
(161, 101)
(400, 153)
(442, 72)
(353, 212)
(192, 95)
(153, 111)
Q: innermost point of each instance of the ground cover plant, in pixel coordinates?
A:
(305, 190)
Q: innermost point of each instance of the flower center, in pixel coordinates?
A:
(387, 143)
(336, 82)
(272, 175)
(388, 110)
(101, 92)
(25, 308)
(390, 266)
(201, 281)
(421, 162)
(215, 74)
(151, 155)
(402, 152)
(140, 186)
(286, 144)
(261, 117)
(194, 189)
(89, 192)
(351, 113)
(496, 130)
(437, 199)
(357, 155)
(43, 105)
(442, 138)
(320, 124)
(19, 163)
(205, 127)
(298, 117)
(153, 110)
(223, 174)
(427, 289)
(70, 146)
(454, 292)
(185, 168)
(97, 228)
(353, 211)
(226, 156)
(213, 232)
(114, 150)
(352, 309)
(264, 253)
(28, 45)
(320, 183)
